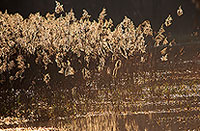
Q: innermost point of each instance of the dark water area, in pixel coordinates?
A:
(141, 122)
(184, 118)
(144, 110)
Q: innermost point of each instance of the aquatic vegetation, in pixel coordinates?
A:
(180, 11)
(46, 37)
(63, 67)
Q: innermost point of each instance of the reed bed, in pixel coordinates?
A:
(60, 68)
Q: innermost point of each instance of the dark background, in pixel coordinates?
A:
(138, 10)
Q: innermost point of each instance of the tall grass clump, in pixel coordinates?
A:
(53, 67)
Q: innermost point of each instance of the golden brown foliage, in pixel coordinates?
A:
(49, 36)
(180, 11)
(58, 8)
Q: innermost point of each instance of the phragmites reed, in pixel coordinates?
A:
(49, 36)
(77, 66)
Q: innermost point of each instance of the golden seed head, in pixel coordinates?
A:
(180, 11)
(59, 8)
